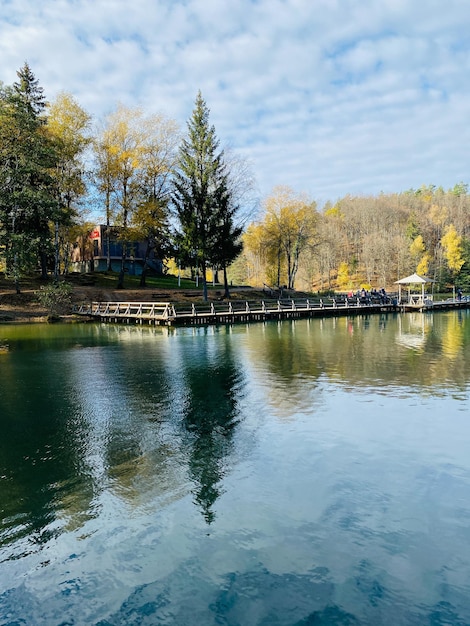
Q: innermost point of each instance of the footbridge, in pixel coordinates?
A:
(225, 312)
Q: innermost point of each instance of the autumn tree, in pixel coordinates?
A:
(418, 251)
(344, 278)
(122, 143)
(134, 156)
(151, 218)
(332, 249)
(451, 243)
(103, 174)
(289, 223)
(254, 252)
(69, 125)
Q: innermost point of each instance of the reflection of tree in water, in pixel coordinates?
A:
(210, 416)
(423, 351)
(40, 458)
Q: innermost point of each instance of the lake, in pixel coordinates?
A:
(314, 472)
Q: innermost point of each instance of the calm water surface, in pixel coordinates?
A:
(306, 473)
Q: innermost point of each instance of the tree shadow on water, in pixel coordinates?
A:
(210, 417)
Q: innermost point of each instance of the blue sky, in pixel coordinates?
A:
(330, 97)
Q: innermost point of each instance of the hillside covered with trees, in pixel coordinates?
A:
(193, 203)
(371, 241)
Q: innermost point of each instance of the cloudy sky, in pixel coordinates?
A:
(330, 97)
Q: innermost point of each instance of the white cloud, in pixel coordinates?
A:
(329, 96)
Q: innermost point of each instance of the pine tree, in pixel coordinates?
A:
(29, 95)
(27, 198)
(228, 243)
(200, 183)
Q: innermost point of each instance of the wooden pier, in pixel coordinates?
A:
(231, 312)
(169, 314)
(417, 303)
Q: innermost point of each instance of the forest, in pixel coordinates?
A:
(361, 241)
(195, 205)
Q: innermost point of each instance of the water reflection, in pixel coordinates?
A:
(413, 329)
(38, 451)
(93, 421)
(423, 351)
(213, 387)
(313, 472)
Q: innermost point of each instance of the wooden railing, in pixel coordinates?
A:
(144, 310)
(222, 311)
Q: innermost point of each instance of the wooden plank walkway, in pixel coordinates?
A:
(169, 314)
(417, 304)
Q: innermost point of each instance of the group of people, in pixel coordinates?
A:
(373, 296)
(381, 296)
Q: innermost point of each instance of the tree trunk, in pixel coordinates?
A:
(226, 290)
(16, 273)
(108, 252)
(108, 212)
(289, 271)
(204, 281)
(43, 260)
(143, 276)
(295, 267)
(56, 250)
(120, 284)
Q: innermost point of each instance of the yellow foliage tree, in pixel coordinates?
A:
(343, 278)
(135, 154)
(451, 242)
(119, 153)
(423, 266)
(418, 251)
(334, 211)
(289, 224)
(255, 254)
(417, 246)
(69, 126)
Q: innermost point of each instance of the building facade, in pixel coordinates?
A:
(93, 254)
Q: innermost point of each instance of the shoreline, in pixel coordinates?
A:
(24, 308)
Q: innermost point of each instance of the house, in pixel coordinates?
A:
(93, 254)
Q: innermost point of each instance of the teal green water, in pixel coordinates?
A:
(314, 472)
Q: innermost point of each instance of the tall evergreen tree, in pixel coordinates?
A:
(228, 232)
(200, 182)
(27, 199)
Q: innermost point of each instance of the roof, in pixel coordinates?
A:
(414, 279)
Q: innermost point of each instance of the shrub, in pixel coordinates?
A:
(56, 297)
